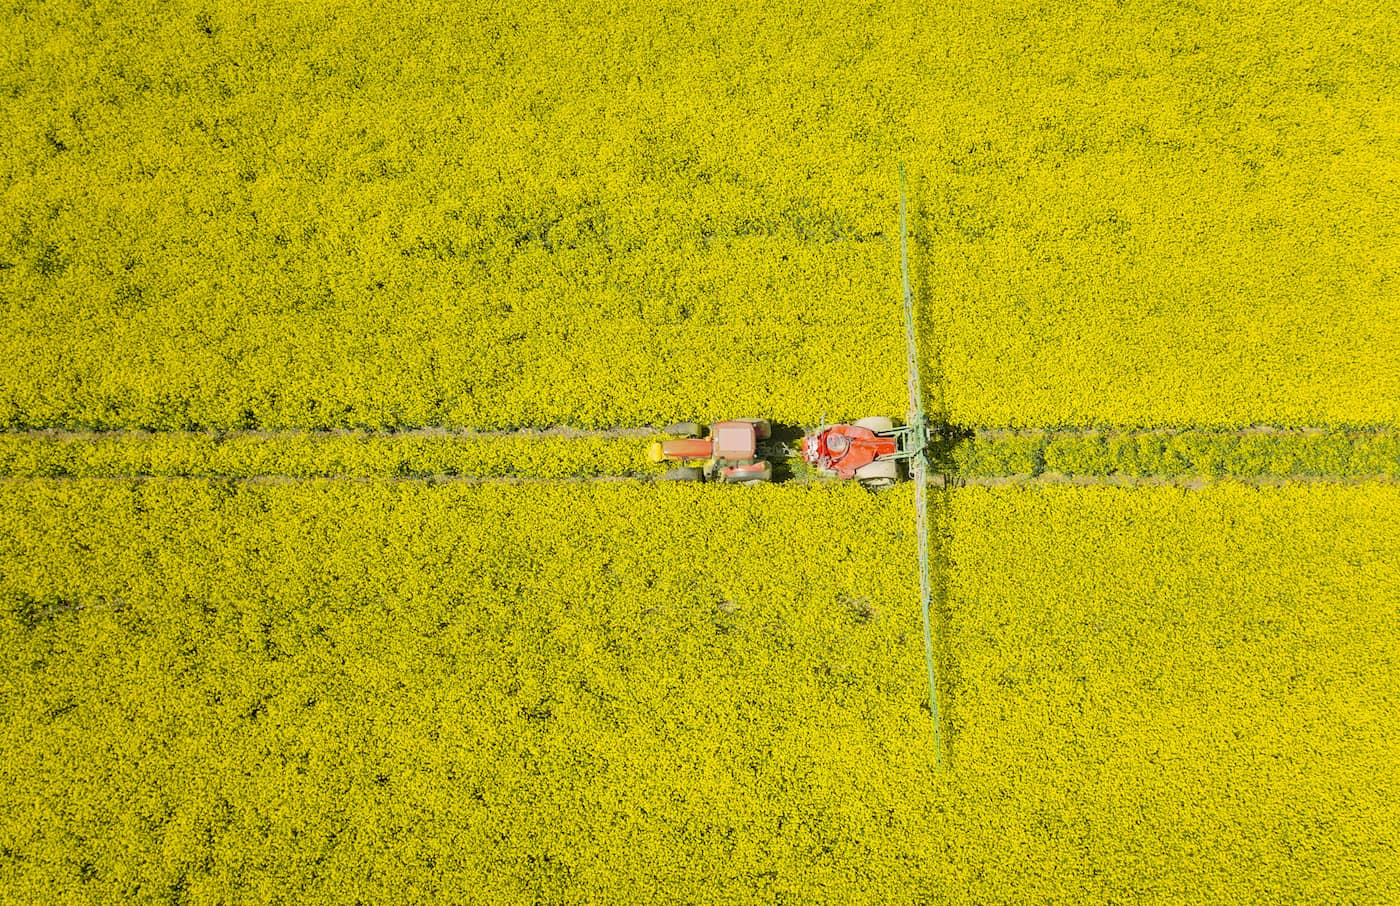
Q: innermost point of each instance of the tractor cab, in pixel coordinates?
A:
(734, 441)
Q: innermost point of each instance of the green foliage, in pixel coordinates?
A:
(1183, 453)
(1000, 454)
(1073, 454)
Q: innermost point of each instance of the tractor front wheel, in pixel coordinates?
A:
(749, 476)
(683, 429)
(684, 473)
(879, 474)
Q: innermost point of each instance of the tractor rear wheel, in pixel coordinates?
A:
(683, 429)
(879, 474)
(876, 423)
(683, 473)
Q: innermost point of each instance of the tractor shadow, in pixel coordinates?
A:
(784, 450)
(943, 445)
(942, 624)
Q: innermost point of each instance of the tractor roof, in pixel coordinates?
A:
(734, 440)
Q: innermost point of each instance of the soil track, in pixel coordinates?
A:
(1185, 482)
(946, 482)
(558, 431)
(947, 448)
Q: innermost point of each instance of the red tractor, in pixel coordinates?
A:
(729, 455)
(739, 451)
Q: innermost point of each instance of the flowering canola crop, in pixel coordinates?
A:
(324, 240)
(571, 692)
(318, 216)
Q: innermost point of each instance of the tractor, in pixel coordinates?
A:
(740, 451)
(730, 455)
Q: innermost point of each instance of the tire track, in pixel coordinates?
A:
(1182, 456)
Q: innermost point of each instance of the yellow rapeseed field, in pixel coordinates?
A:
(319, 215)
(271, 273)
(576, 693)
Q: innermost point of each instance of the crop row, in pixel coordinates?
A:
(571, 692)
(353, 218)
(1182, 453)
(348, 454)
(985, 454)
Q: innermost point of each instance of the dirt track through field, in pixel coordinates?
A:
(430, 431)
(1188, 458)
(1187, 483)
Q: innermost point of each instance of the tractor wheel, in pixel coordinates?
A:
(876, 423)
(747, 479)
(765, 479)
(684, 429)
(684, 473)
(878, 475)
